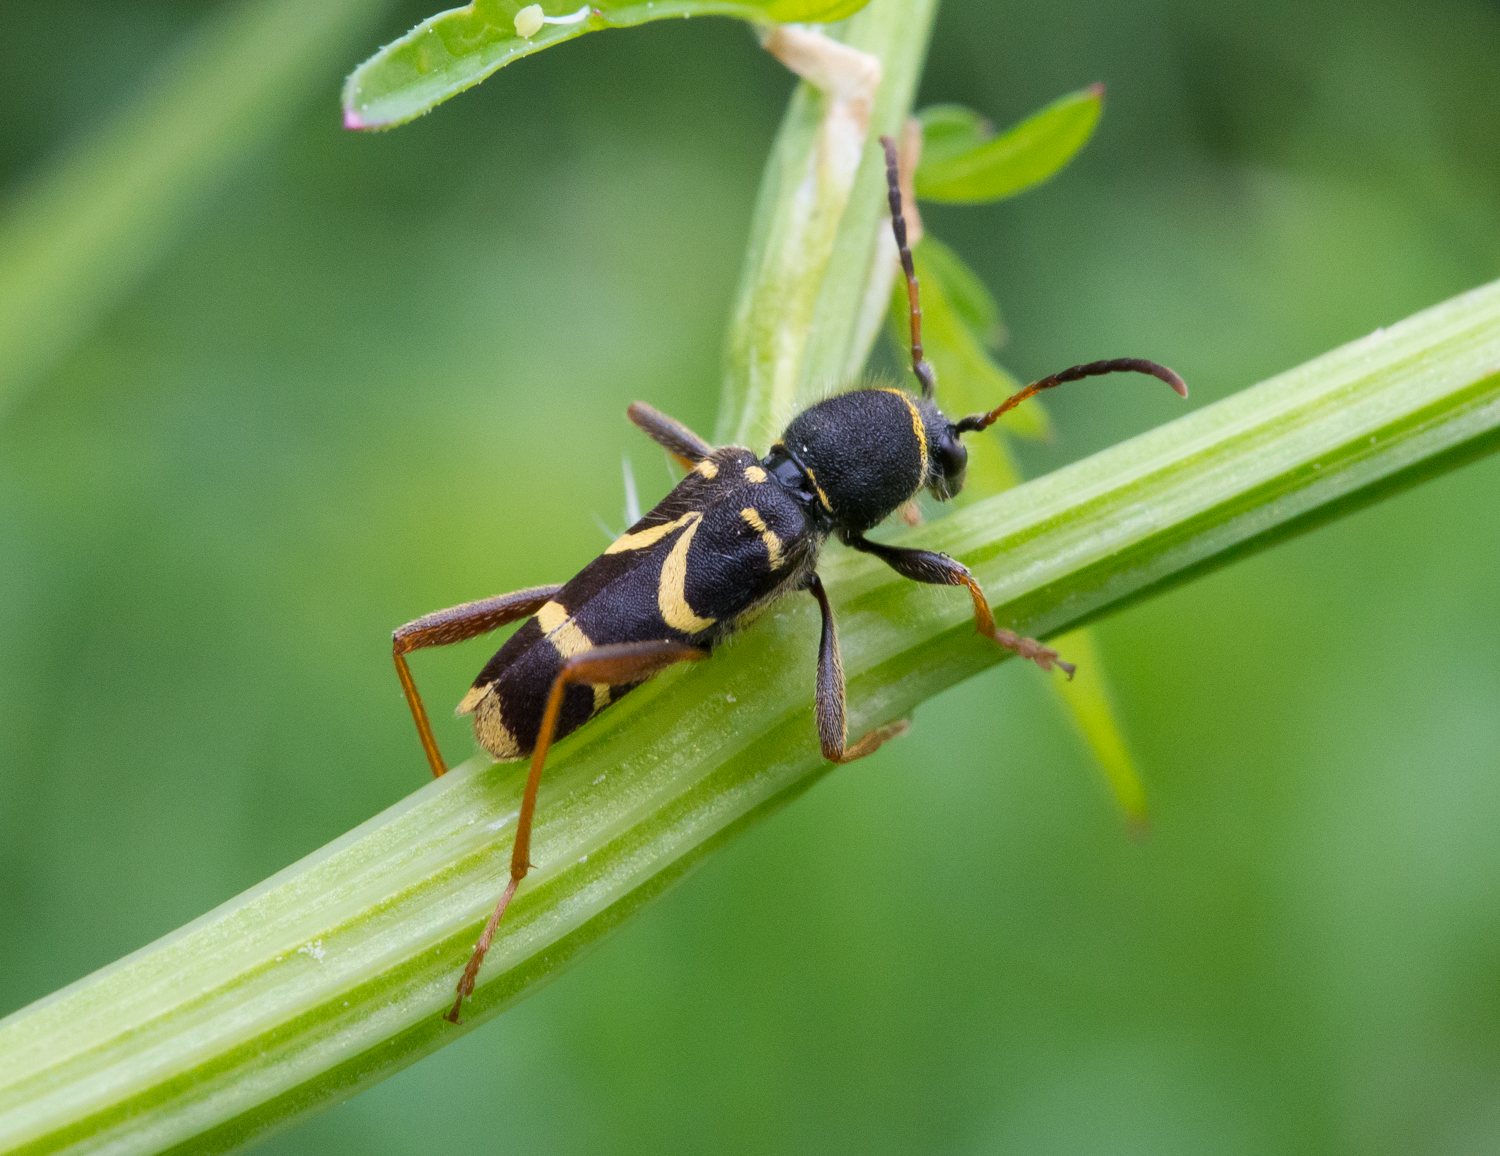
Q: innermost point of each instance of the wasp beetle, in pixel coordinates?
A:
(736, 533)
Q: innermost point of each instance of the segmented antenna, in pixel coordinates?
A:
(978, 421)
(919, 365)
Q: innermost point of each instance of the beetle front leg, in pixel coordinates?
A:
(940, 570)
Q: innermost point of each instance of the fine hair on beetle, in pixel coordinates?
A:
(738, 532)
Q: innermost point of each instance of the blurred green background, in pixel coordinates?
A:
(378, 375)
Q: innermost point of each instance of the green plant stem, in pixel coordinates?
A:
(796, 328)
(333, 974)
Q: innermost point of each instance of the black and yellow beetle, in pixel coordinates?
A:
(736, 533)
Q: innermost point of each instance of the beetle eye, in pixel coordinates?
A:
(952, 459)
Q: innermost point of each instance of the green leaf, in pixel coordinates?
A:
(813, 11)
(955, 300)
(963, 166)
(456, 49)
(98, 216)
(1086, 699)
(951, 130)
(334, 973)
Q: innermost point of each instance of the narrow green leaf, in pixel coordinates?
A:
(951, 130)
(954, 300)
(456, 49)
(102, 213)
(962, 167)
(1087, 701)
(333, 974)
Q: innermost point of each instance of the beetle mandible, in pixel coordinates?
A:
(736, 533)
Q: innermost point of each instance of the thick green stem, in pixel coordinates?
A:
(796, 329)
(333, 974)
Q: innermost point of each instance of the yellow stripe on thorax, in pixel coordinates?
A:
(822, 497)
(917, 428)
(811, 477)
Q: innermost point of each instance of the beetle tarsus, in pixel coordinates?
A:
(471, 970)
(1031, 650)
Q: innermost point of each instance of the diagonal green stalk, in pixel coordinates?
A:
(797, 323)
(333, 974)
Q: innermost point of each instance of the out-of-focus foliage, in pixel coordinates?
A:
(388, 373)
(456, 49)
(79, 231)
(965, 163)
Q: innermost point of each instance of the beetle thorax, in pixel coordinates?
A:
(865, 451)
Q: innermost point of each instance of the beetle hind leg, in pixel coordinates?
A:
(456, 624)
(614, 665)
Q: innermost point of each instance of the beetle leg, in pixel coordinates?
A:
(681, 442)
(612, 665)
(941, 570)
(456, 624)
(833, 727)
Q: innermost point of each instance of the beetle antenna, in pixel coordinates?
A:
(979, 421)
(919, 365)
